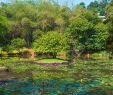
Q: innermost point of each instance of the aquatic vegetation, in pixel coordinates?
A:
(20, 65)
(83, 78)
(47, 75)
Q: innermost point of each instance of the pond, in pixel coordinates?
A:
(90, 78)
(49, 87)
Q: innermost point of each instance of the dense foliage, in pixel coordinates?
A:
(99, 6)
(50, 28)
(110, 26)
(33, 22)
(51, 42)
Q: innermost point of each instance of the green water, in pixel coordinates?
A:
(90, 78)
(50, 87)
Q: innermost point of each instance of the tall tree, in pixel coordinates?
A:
(85, 29)
(110, 24)
(22, 21)
(99, 6)
(3, 31)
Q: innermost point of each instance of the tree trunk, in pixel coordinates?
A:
(54, 55)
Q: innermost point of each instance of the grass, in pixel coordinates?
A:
(51, 60)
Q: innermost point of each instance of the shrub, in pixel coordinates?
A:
(18, 43)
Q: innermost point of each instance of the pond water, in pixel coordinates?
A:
(49, 87)
(94, 79)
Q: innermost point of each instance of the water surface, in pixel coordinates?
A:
(82, 79)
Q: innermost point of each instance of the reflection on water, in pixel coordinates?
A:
(93, 79)
(49, 87)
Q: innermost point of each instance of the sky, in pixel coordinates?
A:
(75, 1)
(69, 2)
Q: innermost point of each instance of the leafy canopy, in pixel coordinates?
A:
(51, 42)
(18, 43)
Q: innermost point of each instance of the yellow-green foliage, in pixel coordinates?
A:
(100, 55)
(26, 51)
(62, 55)
(4, 53)
(51, 42)
(15, 51)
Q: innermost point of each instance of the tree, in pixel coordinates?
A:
(3, 30)
(100, 37)
(82, 4)
(32, 20)
(86, 30)
(46, 16)
(51, 42)
(18, 43)
(84, 13)
(110, 26)
(94, 6)
(22, 22)
(99, 6)
(81, 30)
